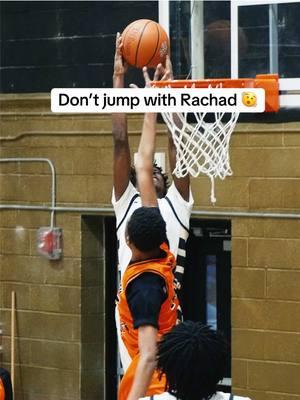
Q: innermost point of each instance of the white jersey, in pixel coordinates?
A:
(175, 211)
(217, 396)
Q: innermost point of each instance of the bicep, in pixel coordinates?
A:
(183, 186)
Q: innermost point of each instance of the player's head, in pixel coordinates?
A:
(193, 357)
(160, 180)
(146, 229)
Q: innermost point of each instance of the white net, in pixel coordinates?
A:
(201, 147)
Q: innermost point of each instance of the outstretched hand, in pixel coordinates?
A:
(120, 66)
(161, 74)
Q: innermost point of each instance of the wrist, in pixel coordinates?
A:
(151, 116)
(118, 81)
(118, 75)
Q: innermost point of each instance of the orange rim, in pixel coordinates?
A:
(269, 82)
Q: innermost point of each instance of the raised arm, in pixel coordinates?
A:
(122, 161)
(144, 163)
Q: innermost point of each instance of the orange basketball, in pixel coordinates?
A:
(145, 43)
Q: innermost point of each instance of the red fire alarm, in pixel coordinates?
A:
(49, 242)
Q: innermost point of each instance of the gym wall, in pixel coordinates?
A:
(60, 320)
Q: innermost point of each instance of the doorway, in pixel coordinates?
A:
(206, 293)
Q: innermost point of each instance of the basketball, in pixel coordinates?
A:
(145, 43)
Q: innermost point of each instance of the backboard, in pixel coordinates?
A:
(236, 39)
(272, 29)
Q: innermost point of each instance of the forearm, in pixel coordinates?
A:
(147, 142)
(142, 378)
(119, 120)
(118, 80)
(121, 169)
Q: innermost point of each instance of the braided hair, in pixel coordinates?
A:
(193, 357)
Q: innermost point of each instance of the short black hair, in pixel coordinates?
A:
(193, 356)
(146, 228)
(133, 178)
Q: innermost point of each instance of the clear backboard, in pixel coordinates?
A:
(272, 31)
(237, 39)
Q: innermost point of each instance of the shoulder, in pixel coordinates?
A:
(126, 196)
(180, 207)
(146, 280)
(174, 194)
(174, 208)
(128, 202)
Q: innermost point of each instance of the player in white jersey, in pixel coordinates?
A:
(175, 203)
(193, 357)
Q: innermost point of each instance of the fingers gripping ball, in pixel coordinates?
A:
(145, 43)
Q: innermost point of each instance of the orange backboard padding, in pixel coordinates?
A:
(269, 82)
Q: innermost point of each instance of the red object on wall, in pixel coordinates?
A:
(49, 242)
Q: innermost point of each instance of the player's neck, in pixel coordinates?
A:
(138, 255)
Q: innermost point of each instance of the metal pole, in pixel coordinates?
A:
(273, 38)
(164, 15)
(197, 39)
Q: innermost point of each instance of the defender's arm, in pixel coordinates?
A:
(144, 164)
(147, 362)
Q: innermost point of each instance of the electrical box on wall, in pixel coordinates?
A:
(49, 242)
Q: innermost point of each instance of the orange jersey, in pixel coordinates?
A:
(167, 317)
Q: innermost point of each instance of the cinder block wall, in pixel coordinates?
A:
(60, 304)
(60, 315)
(266, 263)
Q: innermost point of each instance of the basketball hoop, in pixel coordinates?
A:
(203, 147)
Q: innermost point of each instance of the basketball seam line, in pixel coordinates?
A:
(133, 23)
(158, 40)
(123, 38)
(137, 47)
